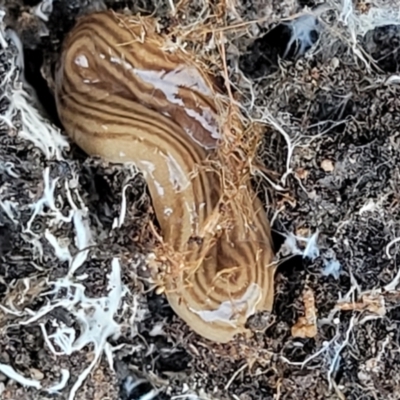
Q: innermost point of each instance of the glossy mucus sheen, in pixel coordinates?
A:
(125, 95)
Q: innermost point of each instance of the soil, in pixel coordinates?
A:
(338, 105)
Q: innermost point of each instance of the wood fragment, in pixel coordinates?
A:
(306, 326)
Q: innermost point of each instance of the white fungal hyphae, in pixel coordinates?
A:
(304, 33)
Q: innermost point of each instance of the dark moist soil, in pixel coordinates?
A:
(343, 115)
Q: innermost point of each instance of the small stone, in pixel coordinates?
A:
(327, 165)
(335, 62)
(36, 374)
(302, 173)
(303, 232)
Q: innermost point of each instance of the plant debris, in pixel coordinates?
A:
(306, 327)
(373, 303)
